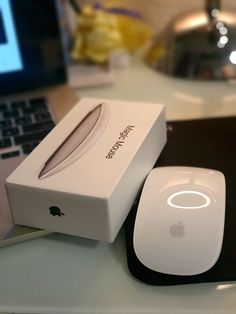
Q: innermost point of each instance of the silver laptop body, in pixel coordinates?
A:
(34, 94)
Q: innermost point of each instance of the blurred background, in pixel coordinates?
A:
(159, 12)
(181, 38)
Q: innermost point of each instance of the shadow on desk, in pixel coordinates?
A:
(73, 240)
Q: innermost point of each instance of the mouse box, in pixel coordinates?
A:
(83, 177)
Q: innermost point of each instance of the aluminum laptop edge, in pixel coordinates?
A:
(32, 68)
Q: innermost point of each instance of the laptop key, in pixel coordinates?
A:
(11, 113)
(5, 123)
(30, 137)
(42, 116)
(23, 120)
(10, 154)
(10, 132)
(48, 124)
(20, 104)
(27, 148)
(6, 142)
(38, 102)
(3, 107)
(31, 110)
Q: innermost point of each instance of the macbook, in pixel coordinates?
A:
(34, 94)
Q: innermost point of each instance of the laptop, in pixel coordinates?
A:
(34, 94)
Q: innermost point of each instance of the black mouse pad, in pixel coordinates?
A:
(208, 143)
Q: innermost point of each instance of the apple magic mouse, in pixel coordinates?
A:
(179, 224)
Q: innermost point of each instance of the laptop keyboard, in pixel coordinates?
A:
(23, 124)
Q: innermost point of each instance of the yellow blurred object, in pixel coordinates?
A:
(97, 35)
(135, 32)
(101, 31)
(156, 52)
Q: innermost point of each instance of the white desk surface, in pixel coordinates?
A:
(64, 274)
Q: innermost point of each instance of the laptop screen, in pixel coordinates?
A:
(31, 54)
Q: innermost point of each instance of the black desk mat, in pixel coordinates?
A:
(208, 143)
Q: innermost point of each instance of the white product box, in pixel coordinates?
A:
(83, 177)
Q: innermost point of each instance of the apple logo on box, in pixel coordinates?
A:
(177, 230)
(55, 211)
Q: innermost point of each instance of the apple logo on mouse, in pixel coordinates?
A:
(177, 230)
(55, 211)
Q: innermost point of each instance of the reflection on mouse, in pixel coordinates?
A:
(79, 141)
(179, 224)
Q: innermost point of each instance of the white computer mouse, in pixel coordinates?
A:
(179, 224)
